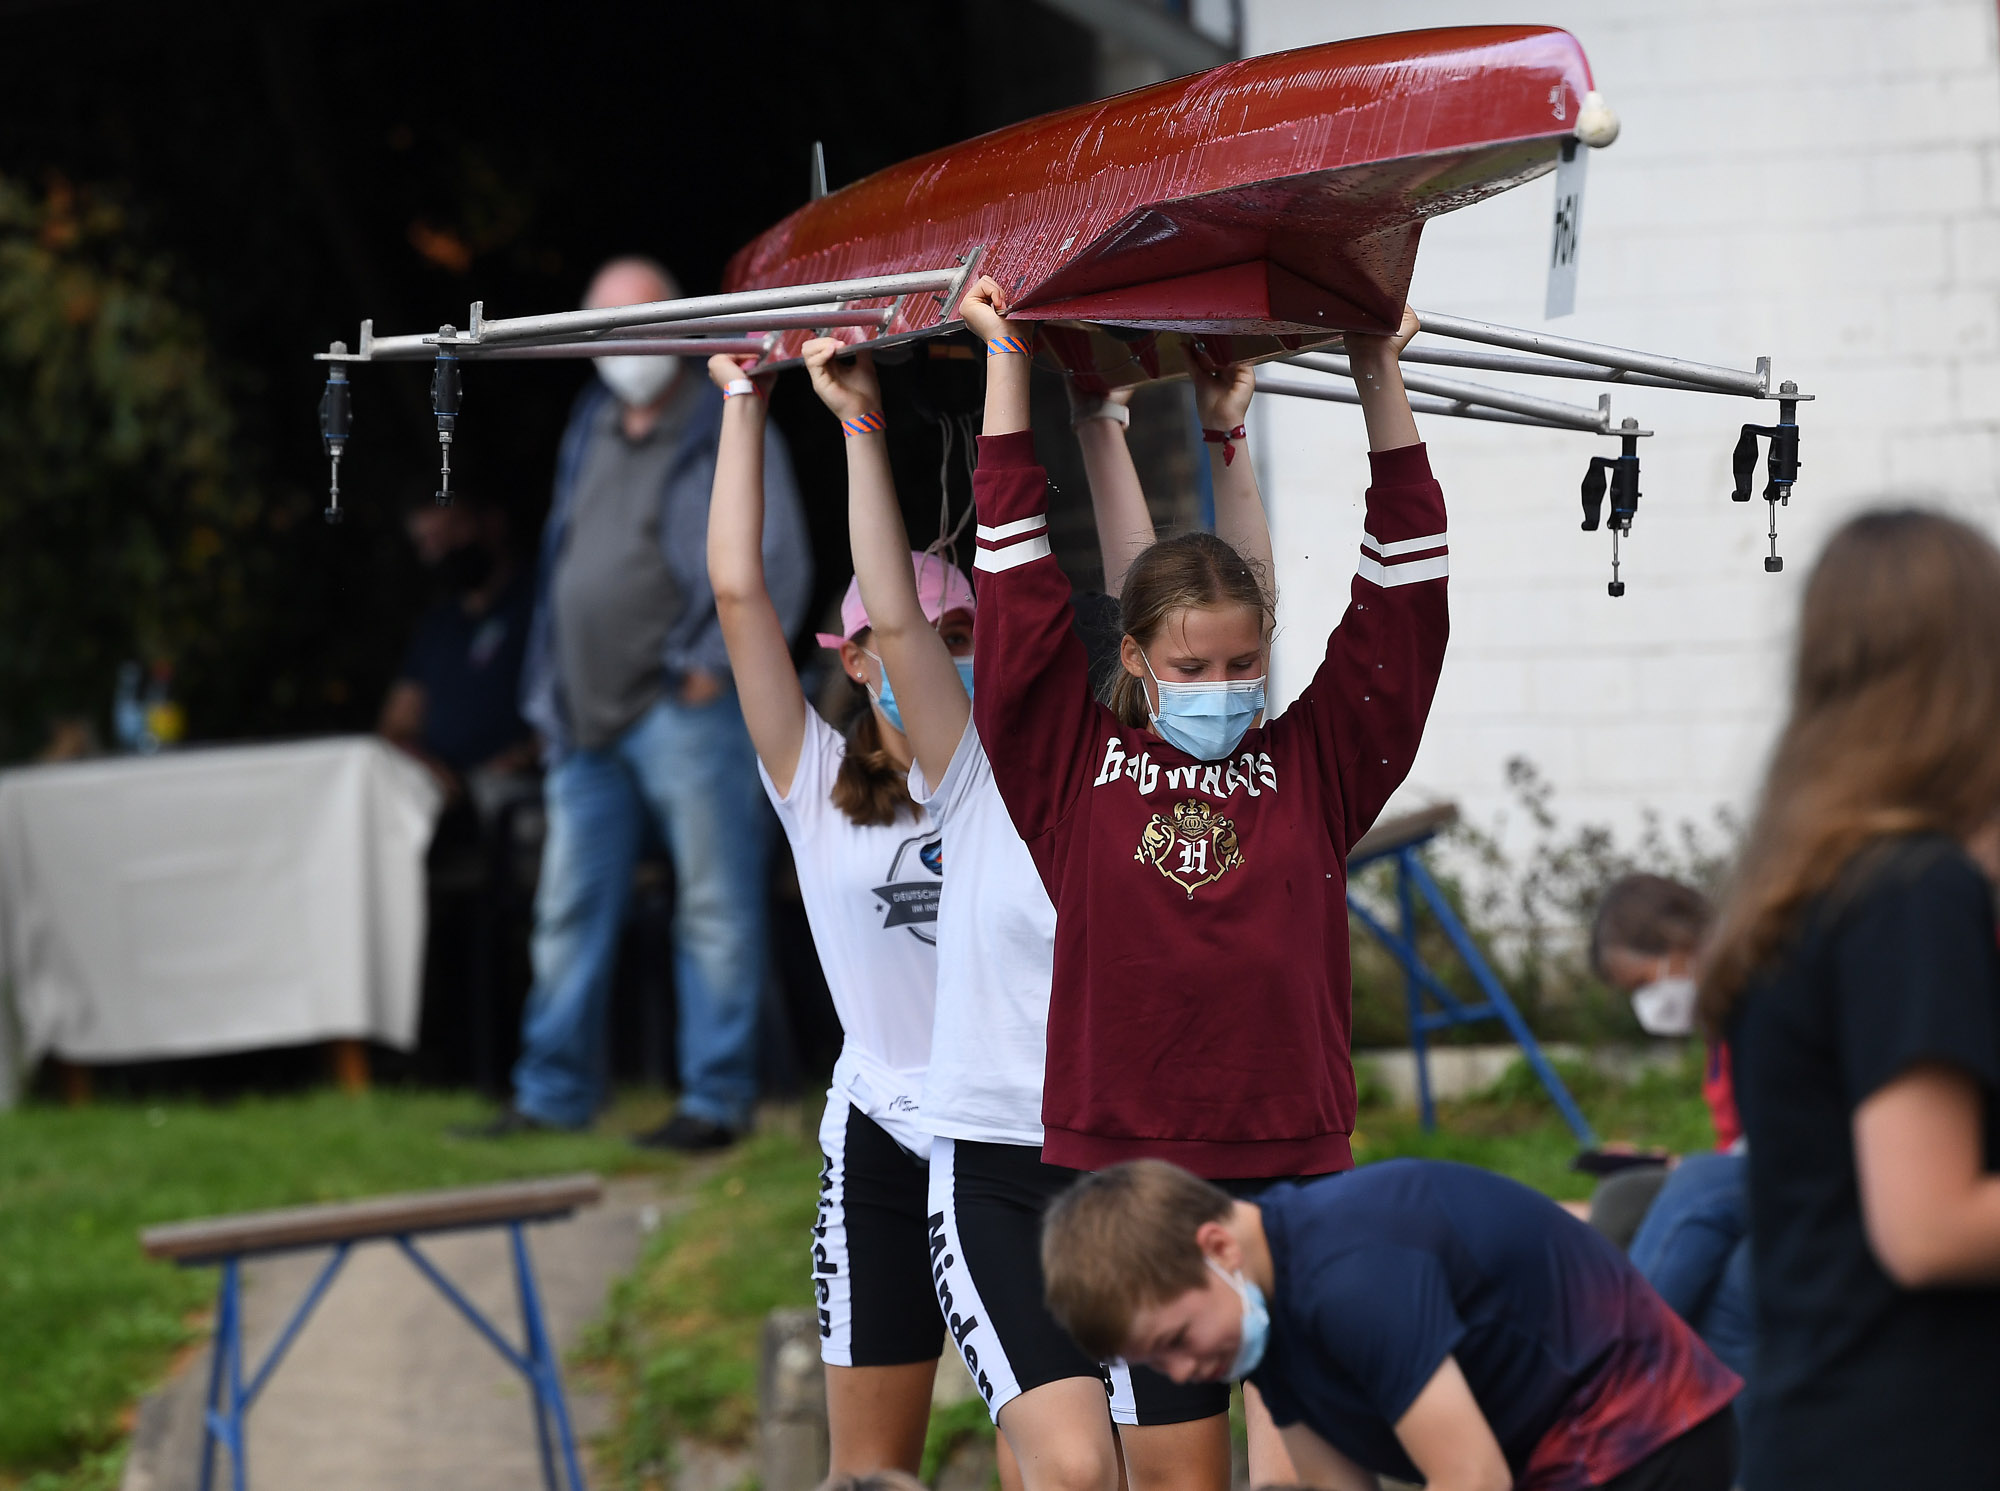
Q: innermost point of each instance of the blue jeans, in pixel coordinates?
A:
(693, 772)
(1694, 1248)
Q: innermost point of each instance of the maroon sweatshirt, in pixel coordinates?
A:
(1201, 1010)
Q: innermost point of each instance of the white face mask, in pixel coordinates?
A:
(1666, 1005)
(638, 381)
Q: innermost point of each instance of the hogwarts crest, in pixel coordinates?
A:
(1191, 847)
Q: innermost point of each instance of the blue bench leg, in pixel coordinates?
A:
(222, 1415)
(1420, 1040)
(545, 1375)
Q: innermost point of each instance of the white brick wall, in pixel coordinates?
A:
(1816, 180)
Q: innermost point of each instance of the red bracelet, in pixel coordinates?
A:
(1224, 438)
(870, 423)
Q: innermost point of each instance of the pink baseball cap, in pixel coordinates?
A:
(941, 589)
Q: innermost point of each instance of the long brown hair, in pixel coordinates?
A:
(870, 788)
(1894, 728)
(1193, 569)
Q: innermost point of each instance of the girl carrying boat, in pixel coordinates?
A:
(869, 873)
(1194, 849)
(983, 1095)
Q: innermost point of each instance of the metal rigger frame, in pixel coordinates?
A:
(744, 323)
(696, 326)
(1543, 356)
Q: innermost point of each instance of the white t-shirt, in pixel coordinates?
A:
(871, 897)
(997, 932)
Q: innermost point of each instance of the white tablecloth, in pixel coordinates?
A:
(211, 900)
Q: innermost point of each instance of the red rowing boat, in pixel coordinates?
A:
(1244, 212)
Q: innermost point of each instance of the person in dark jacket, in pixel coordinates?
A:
(455, 701)
(627, 681)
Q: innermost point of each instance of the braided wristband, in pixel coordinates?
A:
(999, 346)
(870, 423)
(735, 388)
(1226, 439)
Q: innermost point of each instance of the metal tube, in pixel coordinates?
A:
(633, 347)
(394, 349)
(1333, 393)
(295, 1325)
(661, 312)
(1572, 416)
(1542, 367)
(807, 319)
(1726, 380)
(464, 1306)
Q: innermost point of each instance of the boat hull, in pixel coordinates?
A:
(1263, 206)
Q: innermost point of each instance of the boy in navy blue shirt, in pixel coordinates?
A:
(1418, 1319)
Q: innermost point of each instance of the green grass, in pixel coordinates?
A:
(680, 1335)
(87, 1323)
(1515, 1130)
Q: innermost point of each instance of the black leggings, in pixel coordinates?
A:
(1703, 1459)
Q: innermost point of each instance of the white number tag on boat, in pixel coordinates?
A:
(1565, 237)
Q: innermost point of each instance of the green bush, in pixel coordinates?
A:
(123, 524)
(1528, 916)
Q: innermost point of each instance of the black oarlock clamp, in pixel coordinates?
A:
(446, 395)
(1620, 473)
(1782, 465)
(336, 423)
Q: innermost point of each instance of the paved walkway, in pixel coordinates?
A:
(388, 1388)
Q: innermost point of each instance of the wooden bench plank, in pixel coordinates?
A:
(209, 1238)
(1391, 834)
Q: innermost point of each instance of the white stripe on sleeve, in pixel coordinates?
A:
(1014, 529)
(997, 561)
(1401, 545)
(1409, 572)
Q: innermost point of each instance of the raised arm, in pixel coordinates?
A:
(767, 685)
(1378, 378)
(933, 702)
(1372, 695)
(1034, 706)
(1124, 523)
(1222, 399)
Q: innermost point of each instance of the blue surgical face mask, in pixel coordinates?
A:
(1256, 1322)
(885, 697)
(1207, 720)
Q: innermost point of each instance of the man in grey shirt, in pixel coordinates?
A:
(628, 682)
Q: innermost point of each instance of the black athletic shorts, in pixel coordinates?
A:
(1702, 1459)
(870, 1257)
(986, 1261)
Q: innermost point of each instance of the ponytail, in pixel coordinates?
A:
(871, 789)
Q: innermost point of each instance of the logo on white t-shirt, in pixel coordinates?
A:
(913, 902)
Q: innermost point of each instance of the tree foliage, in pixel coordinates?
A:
(124, 529)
